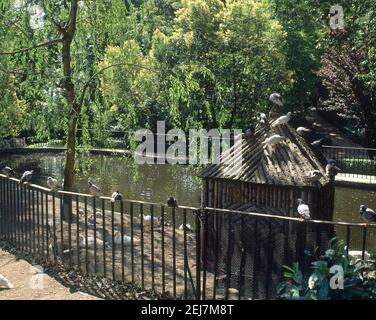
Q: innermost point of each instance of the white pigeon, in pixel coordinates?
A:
(116, 196)
(303, 130)
(356, 255)
(90, 242)
(313, 175)
(93, 189)
(282, 120)
(7, 171)
(277, 99)
(52, 183)
(303, 210)
(187, 227)
(26, 177)
(127, 240)
(261, 117)
(147, 221)
(273, 140)
(5, 283)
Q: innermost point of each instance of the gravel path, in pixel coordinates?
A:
(30, 284)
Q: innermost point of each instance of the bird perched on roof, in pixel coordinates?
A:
(7, 171)
(93, 189)
(5, 283)
(273, 140)
(313, 175)
(303, 130)
(187, 227)
(367, 214)
(277, 99)
(261, 117)
(52, 183)
(116, 196)
(171, 202)
(26, 177)
(248, 132)
(303, 210)
(282, 120)
(331, 168)
(318, 143)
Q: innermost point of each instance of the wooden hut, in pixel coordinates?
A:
(268, 177)
(251, 250)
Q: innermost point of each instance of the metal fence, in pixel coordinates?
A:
(219, 254)
(354, 162)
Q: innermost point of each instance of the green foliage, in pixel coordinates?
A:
(359, 279)
(358, 166)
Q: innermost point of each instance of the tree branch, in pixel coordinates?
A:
(44, 44)
(86, 85)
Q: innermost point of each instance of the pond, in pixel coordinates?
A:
(156, 183)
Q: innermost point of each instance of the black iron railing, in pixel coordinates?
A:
(354, 162)
(219, 254)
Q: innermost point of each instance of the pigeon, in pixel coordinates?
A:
(356, 255)
(127, 240)
(147, 221)
(26, 177)
(318, 143)
(303, 130)
(5, 283)
(367, 214)
(94, 190)
(171, 202)
(261, 117)
(331, 169)
(277, 99)
(303, 210)
(90, 242)
(282, 120)
(313, 175)
(248, 132)
(187, 227)
(116, 196)
(52, 183)
(7, 171)
(273, 140)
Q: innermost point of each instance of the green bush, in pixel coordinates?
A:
(357, 166)
(359, 279)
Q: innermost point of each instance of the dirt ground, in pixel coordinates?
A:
(30, 284)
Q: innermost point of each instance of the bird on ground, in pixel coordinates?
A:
(171, 202)
(331, 168)
(5, 283)
(81, 212)
(116, 196)
(127, 240)
(26, 177)
(90, 242)
(282, 120)
(261, 117)
(303, 130)
(52, 183)
(313, 175)
(303, 210)
(357, 255)
(148, 220)
(93, 189)
(367, 214)
(318, 143)
(7, 171)
(187, 228)
(273, 140)
(277, 99)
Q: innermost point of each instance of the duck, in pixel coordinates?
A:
(93, 189)
(367, 214)
(5, 283)
(26, 177)
(7, 171)
(282, 120)
(52, 183)
(303, 210)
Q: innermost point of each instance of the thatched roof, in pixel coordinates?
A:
(286, 165)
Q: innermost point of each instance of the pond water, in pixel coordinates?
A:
(156, 183)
